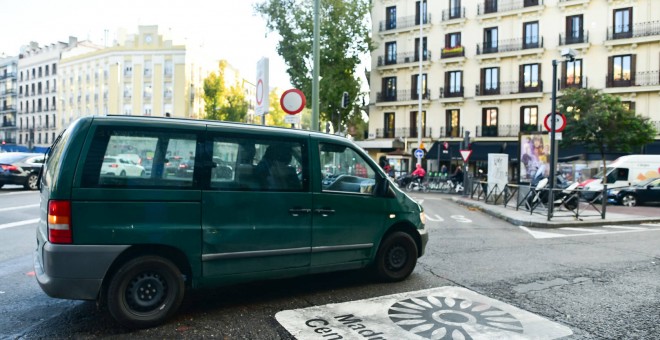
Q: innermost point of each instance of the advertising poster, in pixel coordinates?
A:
(498, 172)
(534, 156)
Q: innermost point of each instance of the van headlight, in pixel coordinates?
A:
(422, 217)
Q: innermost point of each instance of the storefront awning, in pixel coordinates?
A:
(381, 144)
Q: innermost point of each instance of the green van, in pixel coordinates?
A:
(135, 210)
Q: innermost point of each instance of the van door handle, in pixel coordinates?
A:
(299, 211)
(324, 212)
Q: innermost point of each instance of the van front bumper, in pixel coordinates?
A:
(424, 236)
(71, 271)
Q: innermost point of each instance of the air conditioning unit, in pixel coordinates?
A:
(406, 59)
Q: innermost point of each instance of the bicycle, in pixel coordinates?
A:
(417, 185)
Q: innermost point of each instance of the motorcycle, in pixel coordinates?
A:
(417, 184)
(568, 197)
(404, 180)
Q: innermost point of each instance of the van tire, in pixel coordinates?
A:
(396, 257)
(157, 276)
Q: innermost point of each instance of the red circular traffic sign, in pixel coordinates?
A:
(260, 92)
(560, 122)
(293, 101)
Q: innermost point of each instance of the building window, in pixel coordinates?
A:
(54, 69)
(490, 40)
(628, 105)
(529, 3)
(424, 53)
(530, 75)
(390, 17)
(621, 70)
(454, 9)
(453, 46)
(529, 118)
(453, 84)
(574, 29)
(413, 124)
(390, 53)
(452, 122)
(388, 126)
(490, 81)
(622, 23)
(572, 76)
(489, 122)
(414, 83)
(424, 12)
(531, 34)
(389, 89)
(490, 6)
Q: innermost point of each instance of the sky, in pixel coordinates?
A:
(219, 29)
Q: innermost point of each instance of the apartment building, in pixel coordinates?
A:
(144, 74)
(487, 69)
(8, 99)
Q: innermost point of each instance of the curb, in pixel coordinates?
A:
(552, 224)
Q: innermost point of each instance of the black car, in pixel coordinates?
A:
(20, 168)
(647, 191)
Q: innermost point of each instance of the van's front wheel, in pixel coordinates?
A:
(396, 257)
(145, 292)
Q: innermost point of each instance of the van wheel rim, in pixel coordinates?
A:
(396, 257)
(146, 291)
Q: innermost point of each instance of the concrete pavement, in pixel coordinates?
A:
(589, 216)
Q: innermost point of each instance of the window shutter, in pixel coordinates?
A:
(610, 71)
(633, 69)
(521, 77)
(564, 74)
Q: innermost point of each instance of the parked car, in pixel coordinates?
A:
(118, 166)
(20, 168)
(647, 191)
(172, 165)
(186, 169)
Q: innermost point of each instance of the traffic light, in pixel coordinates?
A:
(344, 100)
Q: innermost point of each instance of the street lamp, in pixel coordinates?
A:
(569, 55)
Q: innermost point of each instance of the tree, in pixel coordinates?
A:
(276, 114)
(344, 38)
(222, 103)
(601, 123)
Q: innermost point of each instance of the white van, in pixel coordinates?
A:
(625, 171)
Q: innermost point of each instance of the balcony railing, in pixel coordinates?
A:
(642, 29)
(582, 38)
(504, 130)
(507, 88)
(8, 108)
(8, 124)
(402, 58)
(449, 92)
(403, 22)
(453, 13)
(495, 6)
(7, 75)
(401, 95)
(402, 132)
(452, 52)
(568, 82)
(509, 46)
(447, 132)
(648, 78)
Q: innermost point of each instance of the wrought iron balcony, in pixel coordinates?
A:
(453, 13)
(648, 78)
(403, 22)
(401, 95)
(568, 39)
(567, 82)
(452, 52)
(509, 45)
(508, 130)
(511, 87)
(638, 30)
(451, 92)
(403, 58)
(495, 6)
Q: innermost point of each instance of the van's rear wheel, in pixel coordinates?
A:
(145, 292)
(396, 257)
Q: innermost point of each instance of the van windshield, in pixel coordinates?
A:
(599, 175)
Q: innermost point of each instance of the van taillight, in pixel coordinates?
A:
(59, 222)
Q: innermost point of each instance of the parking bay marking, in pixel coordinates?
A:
(452, 312)
(20, 207)
(18, 224)
(589, 232)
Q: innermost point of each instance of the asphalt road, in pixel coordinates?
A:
(601, 283)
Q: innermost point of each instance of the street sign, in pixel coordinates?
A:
(466, 154)
(419, 153)
(560, 122)
(292, 101)
(262, 88)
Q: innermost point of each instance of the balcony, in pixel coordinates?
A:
(8, 109)
(9, 92)
(9, 140)
(449, 92)
(452, 14)
(495, 8)
(504, 130)
(402, 58)
(8, 124)
(7, 75)
(452, 52)
(402, 132)
(449, 132)
(640, 81)
(638, 30)
(582, 38)
(512, 89)
(401, 96)
(402, 24)
(570, 82)
(509, 48)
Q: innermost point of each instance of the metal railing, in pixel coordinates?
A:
(638, 30)
(453, 13)
(569, 39)
(511, 87)
(452, 92)
(403, 58)
(509, 45)
(401, 95)
(402, 22)
(495, 6)
(648, 78)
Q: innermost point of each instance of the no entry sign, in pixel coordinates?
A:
(293, 101)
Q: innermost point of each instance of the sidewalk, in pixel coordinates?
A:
(562, 218)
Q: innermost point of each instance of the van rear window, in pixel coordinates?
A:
(124, 157)
(53, 157)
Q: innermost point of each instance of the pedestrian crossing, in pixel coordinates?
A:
(590, 231)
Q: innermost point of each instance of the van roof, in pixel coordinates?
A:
(204, 122)
(636, 158)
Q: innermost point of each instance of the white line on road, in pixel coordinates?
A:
(18, 224)
(583, 229)
(20, 193)
(622, 227)
(20, 207)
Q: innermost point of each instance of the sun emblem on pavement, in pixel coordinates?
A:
(439, 317)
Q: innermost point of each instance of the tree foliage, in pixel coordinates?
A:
(276, 114)
(601, 123)
(222, 102)
(343, 38)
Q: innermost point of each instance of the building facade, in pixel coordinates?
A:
(8, 99)
(487, 68)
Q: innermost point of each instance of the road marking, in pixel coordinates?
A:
(461, 218)
(435, 218)
(18, 224)
(20, 193)
(437, 313)
(622, 227)
(583, 229)
(19, 207)
(590, 232)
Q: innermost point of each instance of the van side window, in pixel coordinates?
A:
(121, 157)
(345, 170)
(257, 165)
